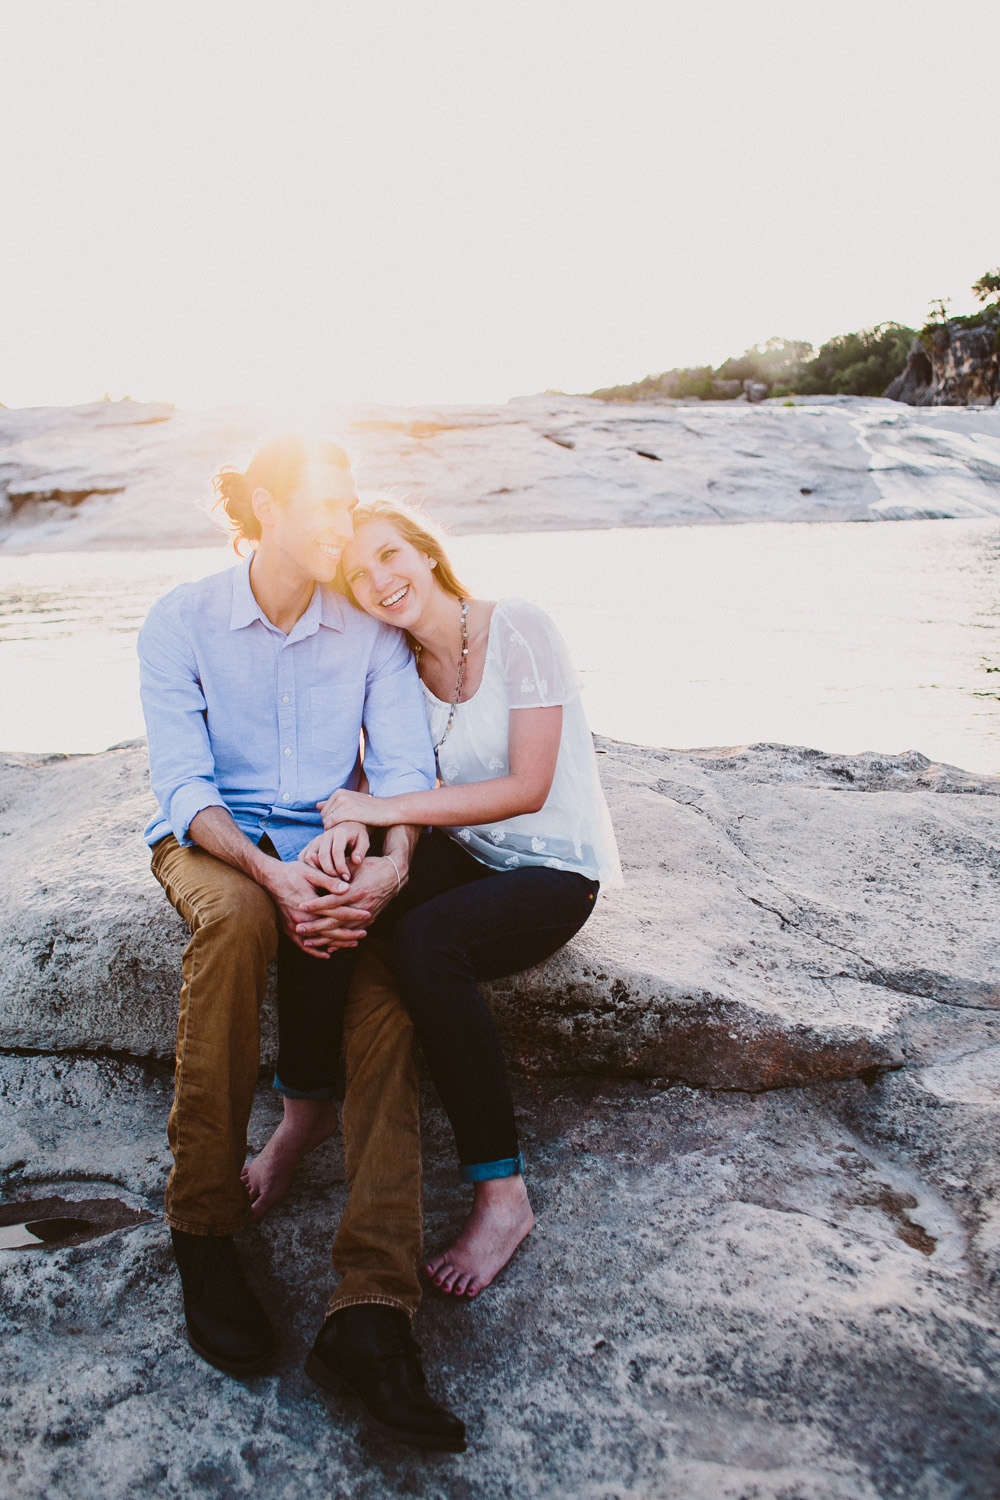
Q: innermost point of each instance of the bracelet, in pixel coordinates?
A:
(399, 878)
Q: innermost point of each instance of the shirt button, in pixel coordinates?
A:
(287, 797)
(288, 750)
(284, 698)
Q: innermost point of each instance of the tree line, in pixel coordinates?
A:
(852, 364)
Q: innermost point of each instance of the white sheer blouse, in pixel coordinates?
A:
(527, 666)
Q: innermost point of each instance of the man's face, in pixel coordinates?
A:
(312, 529)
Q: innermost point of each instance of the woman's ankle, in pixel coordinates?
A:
(499, 1191)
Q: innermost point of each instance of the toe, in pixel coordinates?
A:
(446, 1278)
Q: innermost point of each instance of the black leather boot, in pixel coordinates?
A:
(225, 1323)
(369, 1350)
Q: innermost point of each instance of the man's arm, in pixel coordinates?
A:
(182, 773)
(181, 763)
(399, 758)
(291, 885)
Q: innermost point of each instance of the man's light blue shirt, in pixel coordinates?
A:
(241, 716)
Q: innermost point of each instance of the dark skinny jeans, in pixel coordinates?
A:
(456, 922)
(312, 997)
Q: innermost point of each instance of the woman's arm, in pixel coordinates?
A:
(533, 737)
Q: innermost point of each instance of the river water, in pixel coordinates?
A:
(840, 636)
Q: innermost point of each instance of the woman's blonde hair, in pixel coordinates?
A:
(414, 527)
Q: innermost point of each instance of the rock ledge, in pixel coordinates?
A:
(786, 914)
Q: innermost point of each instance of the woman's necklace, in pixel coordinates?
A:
(460, 678)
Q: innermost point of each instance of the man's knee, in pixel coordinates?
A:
(374, 1010)
(225, 969)
(209, 894)
(239, 917)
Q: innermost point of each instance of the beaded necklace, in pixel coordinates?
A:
(460, 678)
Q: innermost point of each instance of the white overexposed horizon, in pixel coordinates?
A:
(235, 202)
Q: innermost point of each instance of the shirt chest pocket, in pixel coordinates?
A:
(335, 712)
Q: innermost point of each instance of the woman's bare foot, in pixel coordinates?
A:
(501, 1217)
(306, 1124)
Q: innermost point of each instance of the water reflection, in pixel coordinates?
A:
(844, 637)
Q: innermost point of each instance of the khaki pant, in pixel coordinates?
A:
(234, 935)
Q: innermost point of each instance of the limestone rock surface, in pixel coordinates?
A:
(727, 1297)
(123, 475)
(735, 1290)
(785, 914)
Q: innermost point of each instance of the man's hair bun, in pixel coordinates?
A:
(276, 467)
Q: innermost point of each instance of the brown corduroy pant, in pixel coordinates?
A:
(234, 935)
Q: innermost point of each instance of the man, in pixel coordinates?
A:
(256, 685)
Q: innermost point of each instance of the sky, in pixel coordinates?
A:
(446, 201)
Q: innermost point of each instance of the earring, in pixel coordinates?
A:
(433, 562)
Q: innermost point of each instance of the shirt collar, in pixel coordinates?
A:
(245, 606)
(325, 607)
(332, 607)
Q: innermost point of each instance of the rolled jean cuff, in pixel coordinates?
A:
(322, 1094)
(484, 1171)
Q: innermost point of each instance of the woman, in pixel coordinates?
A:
(520, 842)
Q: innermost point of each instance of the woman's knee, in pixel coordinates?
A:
(425, 937)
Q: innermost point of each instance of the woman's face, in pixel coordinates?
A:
(391, 579)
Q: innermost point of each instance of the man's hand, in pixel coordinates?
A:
(338, 851)
(288, 885)
(371, 889)
(293, 888)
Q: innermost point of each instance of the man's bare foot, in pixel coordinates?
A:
(501, 1217)
(306, 1124)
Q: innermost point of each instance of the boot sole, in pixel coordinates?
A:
(338, 1386)
(243, 1369)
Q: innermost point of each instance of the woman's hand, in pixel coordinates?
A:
(339, 850)
(347, 807)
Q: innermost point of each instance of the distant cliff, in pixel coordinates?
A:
(951, 365)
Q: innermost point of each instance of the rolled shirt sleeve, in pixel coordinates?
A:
(399, 756)
(181, 764)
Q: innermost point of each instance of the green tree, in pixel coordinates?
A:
(857, 364)
(985, 289)
(776, 362)
(987, 286)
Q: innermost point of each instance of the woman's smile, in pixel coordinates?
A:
(396, 597)
(387, 574)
